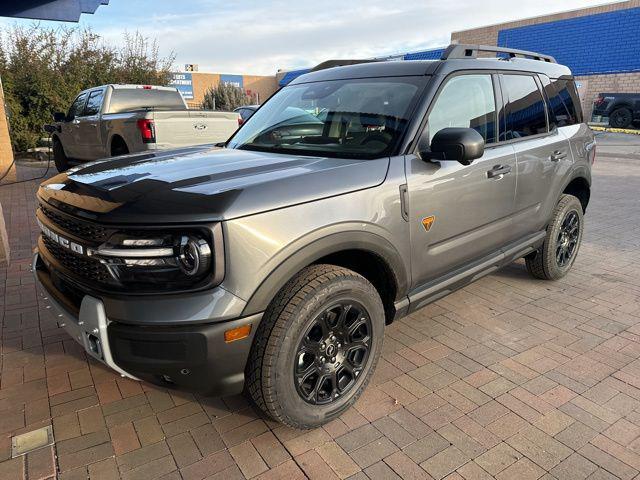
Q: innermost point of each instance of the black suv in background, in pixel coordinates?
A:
(623, 109)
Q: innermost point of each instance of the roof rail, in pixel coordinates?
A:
(471, 51)
(340, 63)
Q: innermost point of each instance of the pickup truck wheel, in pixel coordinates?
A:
(59, 158)
(564, 234)
(317, 346)
(620, 118)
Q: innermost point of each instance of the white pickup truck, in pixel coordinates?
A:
(116, 120)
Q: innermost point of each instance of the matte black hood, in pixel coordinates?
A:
(203, 184)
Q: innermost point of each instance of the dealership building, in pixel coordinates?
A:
(193, 85)
(600, 44)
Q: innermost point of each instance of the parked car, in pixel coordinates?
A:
(274, 264)
(114, 120)
(623, 109)
(246, 111)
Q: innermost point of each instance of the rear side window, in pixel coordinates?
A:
(94, 103)
(564, 103)
(466, 101)
(524, 110)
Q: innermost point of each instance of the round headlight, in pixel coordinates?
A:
(195, 256)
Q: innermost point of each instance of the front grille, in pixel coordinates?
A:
(76, 227)
(83, 267)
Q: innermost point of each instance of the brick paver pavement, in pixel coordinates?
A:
(511, 377)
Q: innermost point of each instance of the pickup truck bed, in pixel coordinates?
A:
(115, 120)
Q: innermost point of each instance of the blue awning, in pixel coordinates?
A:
(59, 10)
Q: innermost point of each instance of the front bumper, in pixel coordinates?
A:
(194, 357)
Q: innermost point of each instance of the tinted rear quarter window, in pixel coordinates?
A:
(564, 103)
(525, 112)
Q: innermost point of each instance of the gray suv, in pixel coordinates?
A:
(355, 196)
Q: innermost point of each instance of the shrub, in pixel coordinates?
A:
(224, 96)
(43, 69)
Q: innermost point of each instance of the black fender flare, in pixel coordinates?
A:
(310, 253)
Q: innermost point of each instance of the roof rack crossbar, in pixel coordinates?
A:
(471, 51)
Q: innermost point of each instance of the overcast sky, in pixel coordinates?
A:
(259, 37)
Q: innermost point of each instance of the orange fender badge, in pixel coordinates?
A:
(427, 222)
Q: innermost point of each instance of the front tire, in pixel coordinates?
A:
(317, 347)
(560, 248)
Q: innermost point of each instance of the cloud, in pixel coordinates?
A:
(259, 37)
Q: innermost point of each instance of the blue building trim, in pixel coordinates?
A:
(593, 44)
(434, 54)
(292, 75)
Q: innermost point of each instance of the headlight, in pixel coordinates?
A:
(194, 257)
(152, 261)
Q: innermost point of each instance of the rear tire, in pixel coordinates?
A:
(560, 248)
(59, 158)
(621, 118)
(309, 346)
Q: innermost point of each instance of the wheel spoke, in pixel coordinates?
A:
(343, 316)
(358, 344)
(309, 346)
(304, 375)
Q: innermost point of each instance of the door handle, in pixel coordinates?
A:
(498, 171)
(558, 155)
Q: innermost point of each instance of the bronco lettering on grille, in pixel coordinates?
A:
(60, 240)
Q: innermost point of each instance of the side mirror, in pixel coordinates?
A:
(59, 116)
(460, 144)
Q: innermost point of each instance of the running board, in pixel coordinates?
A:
(436, 289)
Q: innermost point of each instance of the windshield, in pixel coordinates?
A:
(360, 118)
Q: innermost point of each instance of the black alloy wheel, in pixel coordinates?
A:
(317, 346)
(555, 257)
(567, 239)
(332, 353)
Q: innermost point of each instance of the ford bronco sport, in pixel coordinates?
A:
(355, 196)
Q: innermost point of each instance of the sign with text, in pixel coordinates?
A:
(184, 83)
(235, 80)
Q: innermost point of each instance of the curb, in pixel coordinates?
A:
(616, 130)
